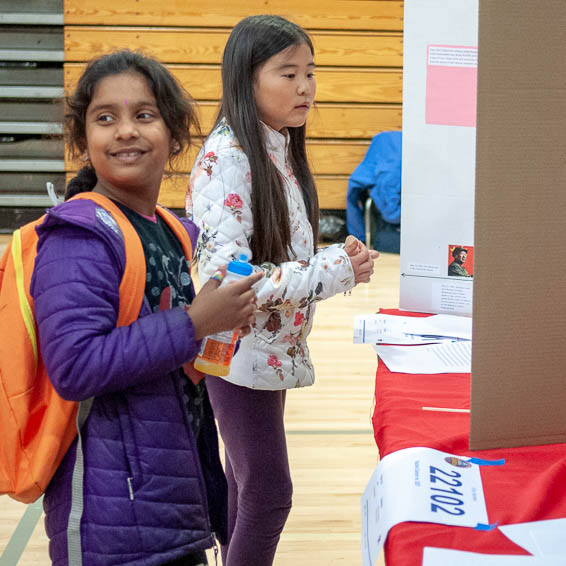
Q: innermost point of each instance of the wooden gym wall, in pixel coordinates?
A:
(358, 53)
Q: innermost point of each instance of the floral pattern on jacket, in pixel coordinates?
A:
(275, 355)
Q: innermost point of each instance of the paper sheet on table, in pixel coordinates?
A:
(541, 538)
(419, 484)
(448, 557)
(451, 357)
(391, 329)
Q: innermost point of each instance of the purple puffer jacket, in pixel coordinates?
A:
(146, 497)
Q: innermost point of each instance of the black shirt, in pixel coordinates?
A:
(168, 285)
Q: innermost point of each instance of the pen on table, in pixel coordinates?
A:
(445, 410)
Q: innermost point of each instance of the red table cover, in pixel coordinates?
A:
(530, 486)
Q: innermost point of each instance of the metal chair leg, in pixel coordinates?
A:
(367, 220)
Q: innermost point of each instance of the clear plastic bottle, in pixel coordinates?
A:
(217, 350)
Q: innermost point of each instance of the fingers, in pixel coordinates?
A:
(216, 280)
(373, 254)
(209, 286)
(363, 275)
(247, 282)
(361, 257)
(224, 307)
(246, 319)
(242, 297)
(351, 245)
(220, 273)
(362, 263)
(242, 292)
(245, 330)
(235, 288)
(246, 307)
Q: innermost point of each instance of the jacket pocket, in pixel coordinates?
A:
(133, 481)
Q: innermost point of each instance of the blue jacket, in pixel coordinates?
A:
(377, 176)
(148, 497)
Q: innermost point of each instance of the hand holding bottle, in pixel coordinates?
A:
(217, 348)
(216, 308)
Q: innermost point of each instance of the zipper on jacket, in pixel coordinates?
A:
(215, 547)
(178, 385)
(130, 488)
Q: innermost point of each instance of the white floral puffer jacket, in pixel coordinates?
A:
(275, 355)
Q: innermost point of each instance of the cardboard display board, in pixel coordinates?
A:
(519, 305)
(439, 116)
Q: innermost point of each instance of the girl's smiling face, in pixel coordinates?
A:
(128, 142)
(285, 86)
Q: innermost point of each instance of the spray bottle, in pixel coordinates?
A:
(217, 350)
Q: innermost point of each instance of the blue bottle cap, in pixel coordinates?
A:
(241, 267)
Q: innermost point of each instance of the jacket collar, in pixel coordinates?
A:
(276, 143)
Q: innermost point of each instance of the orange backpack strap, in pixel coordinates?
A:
(132, 286)
(172, 220)
(19, 261)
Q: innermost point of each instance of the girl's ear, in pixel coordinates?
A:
(175, 147)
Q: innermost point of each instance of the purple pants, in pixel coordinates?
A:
(257, 468)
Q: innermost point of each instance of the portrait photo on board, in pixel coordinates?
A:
(460, 261)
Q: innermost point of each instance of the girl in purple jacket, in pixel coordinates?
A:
(142, 484)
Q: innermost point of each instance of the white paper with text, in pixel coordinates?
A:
(420, 484)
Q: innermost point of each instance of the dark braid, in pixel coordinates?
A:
(84, 182)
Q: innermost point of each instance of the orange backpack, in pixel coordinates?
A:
(37, 425)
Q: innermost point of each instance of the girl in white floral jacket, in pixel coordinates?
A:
(252, 192)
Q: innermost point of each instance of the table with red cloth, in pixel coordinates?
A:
(531, 486)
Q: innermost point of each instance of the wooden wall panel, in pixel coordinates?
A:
(326, 157)
(333, 84)
(194, 45)
(329, 121)
(373, 15)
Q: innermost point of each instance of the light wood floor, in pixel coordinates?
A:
(330, 439)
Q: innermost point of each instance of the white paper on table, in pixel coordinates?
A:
(452, 357)
(419, 484)
(448, 557)
(541, 538)
(446, 325)
(391, 329)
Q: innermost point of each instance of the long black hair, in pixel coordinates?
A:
(252, 42)
(174, 102)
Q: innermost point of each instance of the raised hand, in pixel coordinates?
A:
(232, 306)
(361, 258)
